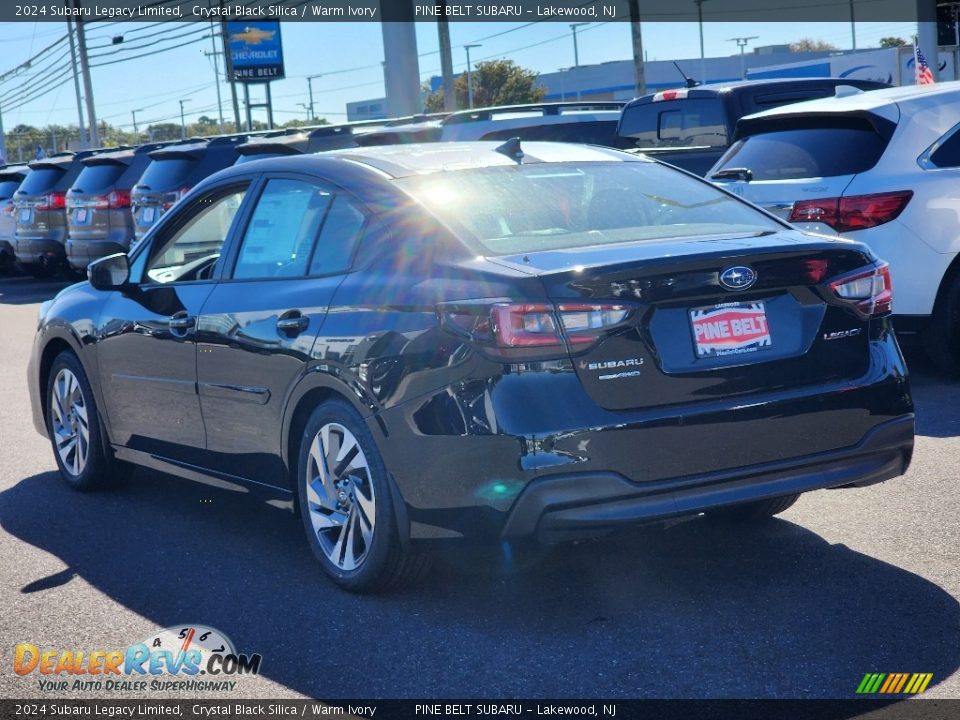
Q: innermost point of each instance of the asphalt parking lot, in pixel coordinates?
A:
(844, 583)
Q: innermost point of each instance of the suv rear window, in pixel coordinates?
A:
(592, 132)
(167, 173)
(94, 178)
(695, 122)
(8, 188)
(816, 151)
(41, 180)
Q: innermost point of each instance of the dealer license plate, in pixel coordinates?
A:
(730, 329)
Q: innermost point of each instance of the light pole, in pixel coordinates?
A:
(310, 80)
(703, 65)
(742, 44)
(183, 124)
(576, 54)
(470, 74)
(136, 132)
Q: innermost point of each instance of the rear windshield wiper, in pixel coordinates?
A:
(738, 173)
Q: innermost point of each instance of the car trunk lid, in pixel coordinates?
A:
(706, 318)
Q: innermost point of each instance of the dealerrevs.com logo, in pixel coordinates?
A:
(193, 658)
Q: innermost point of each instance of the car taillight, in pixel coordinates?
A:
(869, 291)
(857, 212)
(514, 330)
(7, 210)
(53, 201)
(171, 198)
(118, 199)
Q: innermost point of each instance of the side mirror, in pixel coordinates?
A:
(109, 273)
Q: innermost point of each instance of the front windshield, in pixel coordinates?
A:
(541, 206)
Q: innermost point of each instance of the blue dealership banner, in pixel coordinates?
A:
(255, 50)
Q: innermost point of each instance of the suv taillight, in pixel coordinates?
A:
(533, 330)
(53, 201)
(869, 291)
(171, 198)
(857, 212)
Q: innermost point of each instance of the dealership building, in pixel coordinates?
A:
(614, 80)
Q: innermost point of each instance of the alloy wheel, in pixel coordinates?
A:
(71, 426)
(340, 496)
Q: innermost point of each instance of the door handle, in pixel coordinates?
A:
(182, 321)
(292, 323)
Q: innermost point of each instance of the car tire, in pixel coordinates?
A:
(76, 434)
(941, 337)
(752, 511)
(40, 271)
(348, 510)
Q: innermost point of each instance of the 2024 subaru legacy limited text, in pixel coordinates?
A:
(483, 341)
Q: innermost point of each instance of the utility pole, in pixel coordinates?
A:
(470, 74)
(136, 132)
(639, 74)
(310, 79)
(228, 64)
(742, 44)
(446, 60)
(703, 64)
(853, 26)
(183, 124)
(87, 84)
(216, 65)
(76, 85)
(576, 53)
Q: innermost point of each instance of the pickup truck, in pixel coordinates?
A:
(692, 127)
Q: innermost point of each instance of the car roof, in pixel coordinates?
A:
(742, 86)
(427, 158)
(867, 101)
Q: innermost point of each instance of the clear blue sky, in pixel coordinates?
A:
(336, 49)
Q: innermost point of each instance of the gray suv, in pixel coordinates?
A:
(10, 178)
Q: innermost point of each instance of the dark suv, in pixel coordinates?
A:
(99, 222)
(10, 178)
(40, 205)
(692, 127)
(423, 343)
(175, 169)
(307, 140)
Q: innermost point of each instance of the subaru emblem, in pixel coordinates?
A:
(738, 277)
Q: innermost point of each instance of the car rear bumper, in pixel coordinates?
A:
(573, 506)
(32, 251)
(81, 253)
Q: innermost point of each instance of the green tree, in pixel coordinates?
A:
(163, 131)
(811, 45)
(495, 82)
(890, 42)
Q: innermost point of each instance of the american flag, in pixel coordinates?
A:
(924, 76)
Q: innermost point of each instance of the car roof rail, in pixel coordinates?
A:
(545, 109)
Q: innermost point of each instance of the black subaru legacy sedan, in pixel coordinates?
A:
(481, 341)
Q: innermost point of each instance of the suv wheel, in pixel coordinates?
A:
(346, 503)
(74, 427)
(941, 338)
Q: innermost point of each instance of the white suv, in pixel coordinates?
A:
(881, 167)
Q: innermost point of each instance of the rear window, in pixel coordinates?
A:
(8, 188)
(699, 122)
(826, 151)
(41, 180)
(167, 173)
(94, 178)
(546, 206)
(594, 132)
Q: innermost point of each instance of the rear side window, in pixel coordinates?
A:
(948, 154)
(282, 230)
(811, 152)
(94, 178)
(41, 180)
(167, 173)
(594, 132)
(338, 238)
(696, 122)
